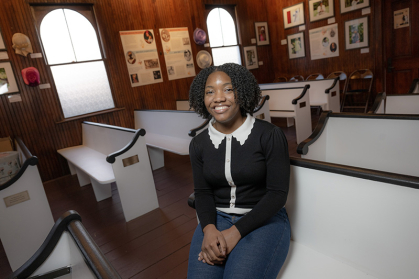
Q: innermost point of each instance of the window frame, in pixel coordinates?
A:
(232, 10)
(39, 11)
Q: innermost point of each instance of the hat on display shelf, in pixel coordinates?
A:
(31, 76)
(203, 59)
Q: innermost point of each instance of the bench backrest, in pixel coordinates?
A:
(168, 122)
(381, 142)
(281, 99)
(104, 138)
(317, 91)
(402, 104)
(369, 223)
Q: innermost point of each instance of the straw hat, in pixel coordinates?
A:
(203, 59)
(199, 36)
(22, 44)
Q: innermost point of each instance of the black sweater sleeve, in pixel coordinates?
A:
(275, 147)
(204, 197)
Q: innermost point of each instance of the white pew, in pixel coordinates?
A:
(292, 103)
(24, 225)
(396, 104)
(167, 130)
(323, 93)
(172, 131)
(351, 223)
(68, 251)
(380, 142)
(114, 154)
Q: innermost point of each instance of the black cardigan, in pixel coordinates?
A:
(260, 168)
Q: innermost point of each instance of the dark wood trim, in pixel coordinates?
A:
(47, 246)
(111, 158)
(376, 116)
(333, 85)
(294, 102)
(261, 103)
(193, 131)
(381, 97)
(89, 115)
(374, 175)
(302, 148)
(94, 258)
(415, 83)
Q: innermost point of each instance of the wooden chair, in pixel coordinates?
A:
(315, 76)
(297, 78)
(342, 80)
(280, 79)
(356, 80)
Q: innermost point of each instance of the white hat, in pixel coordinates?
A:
(22, 44)
(203, 59)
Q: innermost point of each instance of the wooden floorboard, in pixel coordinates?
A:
(155, 245)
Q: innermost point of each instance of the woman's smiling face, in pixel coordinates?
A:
(220, 100)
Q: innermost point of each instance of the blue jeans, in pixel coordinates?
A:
(260, 254)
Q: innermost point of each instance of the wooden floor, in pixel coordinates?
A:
(155, 245)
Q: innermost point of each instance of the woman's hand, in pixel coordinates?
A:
(214, 246)
(232, 236)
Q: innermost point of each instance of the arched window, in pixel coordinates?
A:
(73, 54)
(223, 37)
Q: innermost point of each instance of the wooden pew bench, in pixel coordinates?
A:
(114, 154)
(172, 130)
(68, 250)
(167, 130)
(350, 223)
(323, 93)
(380, 142)
(292, 103)
(26, 219)
(396, 104)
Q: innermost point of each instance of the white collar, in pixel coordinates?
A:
(241, 134)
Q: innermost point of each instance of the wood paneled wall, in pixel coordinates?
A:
(35, 118)
(347, 61)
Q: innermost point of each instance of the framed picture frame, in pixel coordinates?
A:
(352, 5)
(321, 9)
(251, 57)
(296, 45)
(2, 44)
(293, 15)
(8, 83)
(262, 33)
(356, 33)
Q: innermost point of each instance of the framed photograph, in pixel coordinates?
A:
(321, 9)
(251, 57)
(356, 33)
(352, 5)
(296, 48)
(324, 42)
(2, 45)
(8, 82)
(262, 33)
(294, 15)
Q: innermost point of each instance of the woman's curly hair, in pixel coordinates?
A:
(246, 87)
